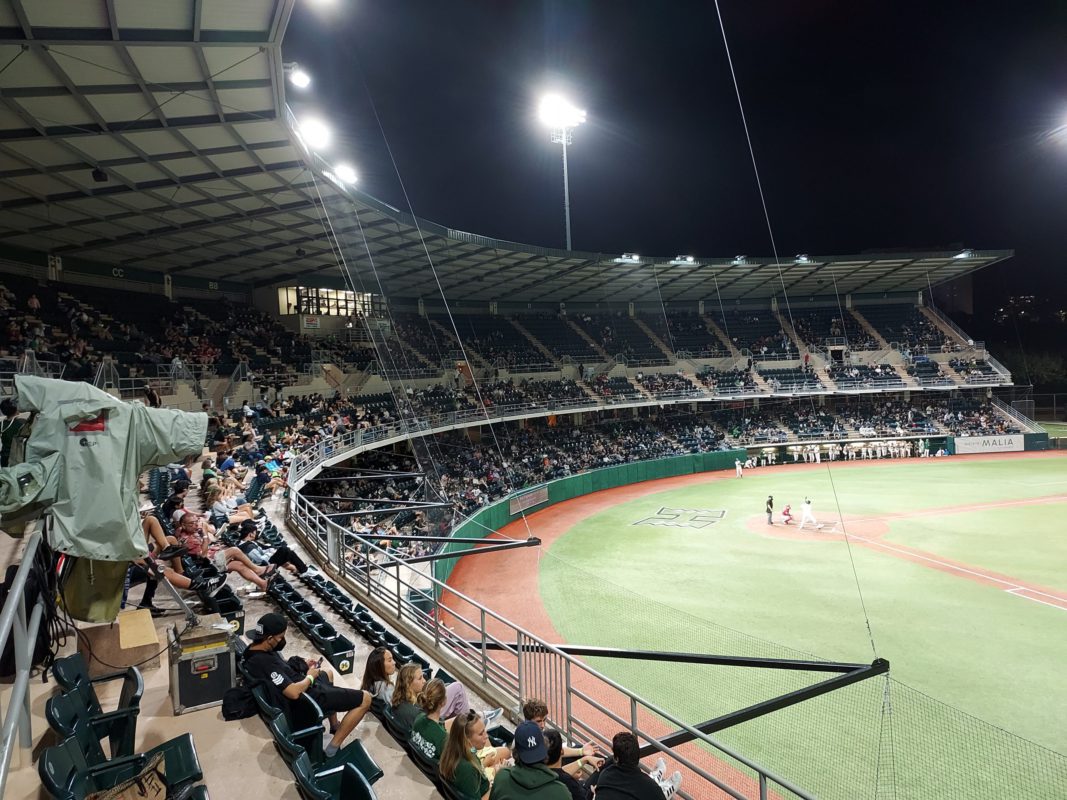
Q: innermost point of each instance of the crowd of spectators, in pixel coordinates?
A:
(855, 376)
(728, 381)
(665, 383)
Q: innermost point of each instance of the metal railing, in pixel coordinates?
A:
(23, 622)
(1007, 410)
(585, 704)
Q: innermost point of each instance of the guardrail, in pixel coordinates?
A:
(1026, 422)
(582, 702)
(23, 622)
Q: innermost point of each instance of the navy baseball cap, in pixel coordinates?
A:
(529, 746)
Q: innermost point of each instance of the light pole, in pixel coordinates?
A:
(561, 117)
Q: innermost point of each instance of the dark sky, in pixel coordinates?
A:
(875, 124)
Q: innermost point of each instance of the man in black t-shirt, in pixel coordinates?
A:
(264, 663)
(770, 509)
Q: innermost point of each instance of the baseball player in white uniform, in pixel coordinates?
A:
(806, 515)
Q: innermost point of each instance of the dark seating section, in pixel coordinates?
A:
(556, 334)
(815, 325)
(811, 424)
(906, 325)
(614, 388)
(889, 418)
(685, 332)
(861, 376)
(975, 370)
(727, 381)
(748, 426)
(663, 383)
(417, 333)
(497, 341)
(928, 373)
(619, 335)
(758, 331)
(796, 379)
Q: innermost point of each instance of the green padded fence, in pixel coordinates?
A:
(492, 518)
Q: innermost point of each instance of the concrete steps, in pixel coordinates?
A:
(592, 342)
(533, 340)
(862, 320)
(654, 338)
(713, 326)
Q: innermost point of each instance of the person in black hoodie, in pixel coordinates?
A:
(622, 778)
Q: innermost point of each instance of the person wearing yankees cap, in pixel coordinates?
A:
(264, 663)
(530, 778)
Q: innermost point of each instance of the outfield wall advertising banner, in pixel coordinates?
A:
(528, 500)
(989, 444)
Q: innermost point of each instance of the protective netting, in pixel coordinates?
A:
(879, 738)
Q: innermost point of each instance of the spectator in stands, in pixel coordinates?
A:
(410, 681)
(567, 775)
(228, 507)
(459, 766)
(33, 304)
(427, 731)
(10, 425)
(281, 556)
(201, 544)
(530, 778)
(622, 779)
(535, 710)
(152, 398)
(379, 674)
(264, 663)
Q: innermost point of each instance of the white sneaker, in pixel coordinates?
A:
(248, 587)
(670, 787)
(492, 715)
(659, 771)
(254, 595)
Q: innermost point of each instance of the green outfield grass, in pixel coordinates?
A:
(729, 589)
(1055, 429)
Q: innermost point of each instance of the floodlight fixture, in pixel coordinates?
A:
(562, 117)
(345, 173)
(802, 258)
(315, 133)
(683, 261)
(739, 260)
(299, 78)
(964, 254)
(628, 258)
(558, 112)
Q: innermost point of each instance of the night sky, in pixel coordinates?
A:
(915, 125)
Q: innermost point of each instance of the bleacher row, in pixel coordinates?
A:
(80, 325)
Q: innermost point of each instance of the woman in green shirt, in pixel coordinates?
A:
(427, 732)
(459, 766)
(409, 683)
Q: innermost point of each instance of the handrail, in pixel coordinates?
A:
(1015, 414)
(529, 651)
(13, 619)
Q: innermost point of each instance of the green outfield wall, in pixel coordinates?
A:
(494, 517)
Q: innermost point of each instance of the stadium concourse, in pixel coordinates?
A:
(169, 235)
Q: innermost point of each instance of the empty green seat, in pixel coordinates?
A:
(291, 744)
(71, 673)
(67, 775)
(338, 783)
(68, 716)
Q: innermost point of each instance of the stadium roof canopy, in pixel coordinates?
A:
(181, 105)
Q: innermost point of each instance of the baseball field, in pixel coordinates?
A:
(952, 569)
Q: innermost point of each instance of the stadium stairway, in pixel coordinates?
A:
(790, 331)
(533, 340)
(950, 334)
(713, 326)
(654, 338)
(904, 376)
(870, 329)
(475, 357)
(592, 342)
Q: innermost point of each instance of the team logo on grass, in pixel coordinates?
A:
(684, 517)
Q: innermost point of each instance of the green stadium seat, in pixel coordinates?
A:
(71, 673)
(291, 745)
(68, 715)
(343, 782)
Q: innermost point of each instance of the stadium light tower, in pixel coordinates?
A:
(561, 116)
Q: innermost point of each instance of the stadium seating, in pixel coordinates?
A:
(758, 331)
(907, 326)
(796, 379)
(556, 335)
(815, 325)
(732, 381)
(863, 376)
(685, 332)
(619, 335)
(497, 341)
